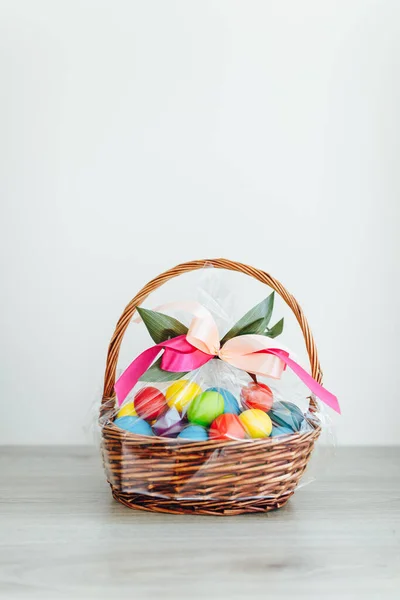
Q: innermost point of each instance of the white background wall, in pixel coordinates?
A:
(136, 135)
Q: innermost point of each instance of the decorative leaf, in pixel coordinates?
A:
(275, 330)
(254, 321)
(255, 327)
(156, 374)
(161, 327)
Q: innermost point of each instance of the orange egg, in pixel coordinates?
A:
(227, 427)
(257, 395)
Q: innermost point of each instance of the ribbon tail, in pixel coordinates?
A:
(131, 375)
(317, 389)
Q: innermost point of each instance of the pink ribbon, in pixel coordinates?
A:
(184, 353)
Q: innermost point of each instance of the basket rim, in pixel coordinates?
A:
(181, 443)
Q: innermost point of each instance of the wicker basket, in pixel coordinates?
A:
(212, 477)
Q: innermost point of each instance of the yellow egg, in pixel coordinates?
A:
(180, 393)
(127, 410)
(256, 423)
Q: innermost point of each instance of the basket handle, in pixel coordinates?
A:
(218, 263)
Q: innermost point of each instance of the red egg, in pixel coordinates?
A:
(227, 427)
(257, 395)
(149, 403)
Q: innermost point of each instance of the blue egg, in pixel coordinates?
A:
(286, 414)
(134, 425)
(281, 431)
(196, 433)
(230, 403)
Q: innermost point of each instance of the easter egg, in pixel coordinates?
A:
(134, 425)
(227, 427)
(286, 414)
(256, 422)
(196, 433)
(149, 402)
(127, 410)
(205, 408)
(231, 405)
(257, 395)
(169, 424)
(181, 392)
(276, 431)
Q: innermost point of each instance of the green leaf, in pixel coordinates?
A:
(255, 327)
(156, 374)
(254, 321)
(161, 327)
(275, 330)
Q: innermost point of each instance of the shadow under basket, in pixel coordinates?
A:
(212, 477)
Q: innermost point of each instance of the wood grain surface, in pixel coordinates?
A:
(63, 536)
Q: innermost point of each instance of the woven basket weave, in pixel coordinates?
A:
(212, 477)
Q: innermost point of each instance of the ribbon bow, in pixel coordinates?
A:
(251, 353)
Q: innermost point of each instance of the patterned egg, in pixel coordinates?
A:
(276, 431)
(205, 408)
(231, 405)
(149, 403)
(127, 410)
(169, 424)
(286, 414)
(181, 392)
(256, 422)
(227, 427)
(134, 425)
(196, 433)
(257, 395)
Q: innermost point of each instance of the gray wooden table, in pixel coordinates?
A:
(62, 536)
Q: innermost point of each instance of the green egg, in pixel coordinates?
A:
(205, 408)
